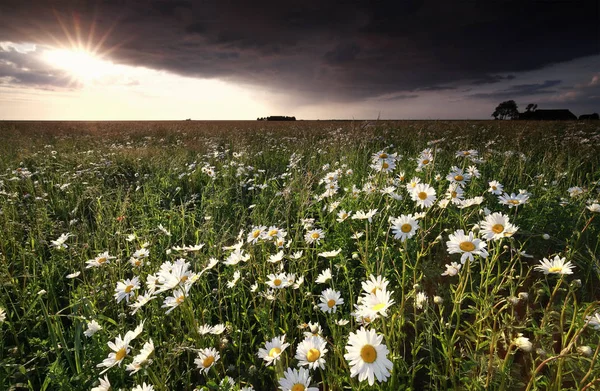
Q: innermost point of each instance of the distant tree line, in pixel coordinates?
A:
(276, 118)
(509, 110)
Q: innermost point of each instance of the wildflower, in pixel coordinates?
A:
(126, 289)
(367, 356)
(256, 233)
(310, 352)
(330, 299)
(206, 359)
(274, 233)
(575, 191)
(457, 175)
(376, 304)
(60, 242)
(143, 387)
(275, 257)
(171, 275)
(420, 299)
(273, 349)
(496, 226)
(236, 256)
(73, 275)
(218, 329)
(324, 276)
(555, 266)
(92, 328)
(466, 245)
(330, 254)
(314, 236)
(595, 207)
(140, 301)
(404, 227)
(101, 260)
(120, 349)
(179, 295)
(296, 380)
(522, 343)
(361, 215)
(374, 284)
(314, 330)
(141, 359)
(514, 200)
(452, 269)
(585, 351)
(104, 384)
(423, 195)
(593, 321)
(496, 187)
(343, 215)
(277, 281)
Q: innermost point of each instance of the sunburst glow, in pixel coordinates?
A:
(82, 65)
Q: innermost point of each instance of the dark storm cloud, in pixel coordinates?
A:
(521, 90)
(339, 50)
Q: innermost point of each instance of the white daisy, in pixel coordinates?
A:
(367, 356)
(206, 359)
(296, 380)
(273, 349)
(404, 227)
(555, 266)
(324, 276)
(126, 289)
(497, 226)
(466, 245)
(92, 328)
(423, 195)
(330, 299)
(311, 351)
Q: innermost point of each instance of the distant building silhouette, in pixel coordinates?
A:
(589, 117)
(548, 115)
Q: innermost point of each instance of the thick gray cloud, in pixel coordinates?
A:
(338, 50)
(522, 90)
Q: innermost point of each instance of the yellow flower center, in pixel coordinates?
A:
(383, 156)
(207, 362)
(378, 307)
(425, 162)
(331, 303)
(277, 282)
(368, 354)
(274, 352)
(101, 260)
(385, 165)
(514, 202)
(367, 319)
(273, 232)
(458, 178)
(494, 188)
(313, 355)
(298, 387)
(138, 262)
(120, 354)
(453, 194)
(256, 234)
(183, 279)
(180, 299)
(128, 288)
(467, 246)
(466, 153)
(555, 269)
(406, 228)
(315, 235)
(422, 196)
(498, 228)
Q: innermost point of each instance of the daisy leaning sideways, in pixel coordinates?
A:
(468, 246)
(404, 227)
(310, 352)
(126, 289)
(296, 380)
(206, 359)
(104, 384)
(330, 299)
(273, 349)
(367, 356)
(555, 266)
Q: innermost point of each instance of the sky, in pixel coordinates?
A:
(239, 60)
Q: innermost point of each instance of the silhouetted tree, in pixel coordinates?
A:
(531, 107)
(507, 109)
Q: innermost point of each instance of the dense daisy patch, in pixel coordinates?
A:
(300, 257)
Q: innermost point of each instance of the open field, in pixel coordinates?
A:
(385, 255)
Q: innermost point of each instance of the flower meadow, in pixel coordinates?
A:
(304, 256)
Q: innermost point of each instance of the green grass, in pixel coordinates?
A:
(101, 182)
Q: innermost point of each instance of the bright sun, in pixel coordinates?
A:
(81, 65)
